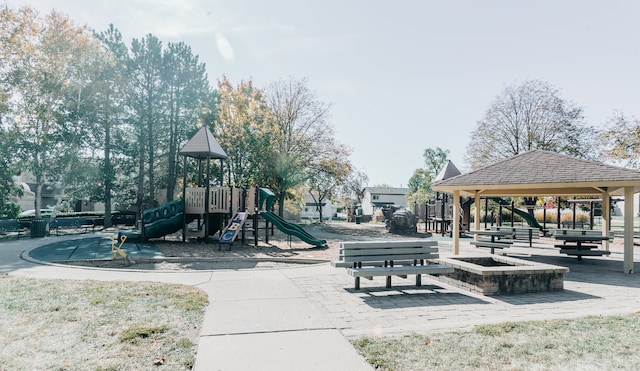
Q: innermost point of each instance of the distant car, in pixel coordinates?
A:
(32, 212)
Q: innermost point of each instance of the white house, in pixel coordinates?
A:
(375, 198)
(311, 209)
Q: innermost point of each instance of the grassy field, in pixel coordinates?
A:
(590, 343)
(91, 325)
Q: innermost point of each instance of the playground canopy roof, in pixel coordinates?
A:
(203, 145)
(541, 173)
(448, 171)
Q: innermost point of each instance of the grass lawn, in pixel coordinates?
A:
(590, 343)
(93, 325)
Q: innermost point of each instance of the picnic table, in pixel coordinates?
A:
(575, 245)
(491, 242)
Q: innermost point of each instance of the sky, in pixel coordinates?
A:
(399, 76)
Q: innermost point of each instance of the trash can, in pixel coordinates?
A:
(39, 227)
(358, 217)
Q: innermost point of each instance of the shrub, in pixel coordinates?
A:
(566, 215)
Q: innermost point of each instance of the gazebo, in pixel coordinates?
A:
(544, 173)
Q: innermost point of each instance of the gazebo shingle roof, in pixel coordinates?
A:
(540, 170)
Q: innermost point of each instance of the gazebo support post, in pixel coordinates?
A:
(476, 217)
(628, 230)
(456, 222)
(606, 217)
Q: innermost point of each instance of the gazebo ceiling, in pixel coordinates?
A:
(542, 173)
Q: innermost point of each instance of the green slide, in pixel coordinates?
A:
(292, 229)
(159, 221)
(527, 217)
(530, 219)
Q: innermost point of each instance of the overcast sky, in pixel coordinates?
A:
(400, 76)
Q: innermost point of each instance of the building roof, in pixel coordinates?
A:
(541, 172)
(203, 145)
(387, 191)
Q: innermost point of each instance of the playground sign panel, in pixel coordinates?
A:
(231, 232)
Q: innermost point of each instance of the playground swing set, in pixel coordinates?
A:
(206, 211)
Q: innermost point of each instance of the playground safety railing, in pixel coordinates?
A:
(221, 200)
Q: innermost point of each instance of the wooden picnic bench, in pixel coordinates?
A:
(390, 258)
(495, 241)
(581, 243)
(71, 223)
(11, 226)
(520, 233)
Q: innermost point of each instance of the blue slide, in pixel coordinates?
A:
(292, 229)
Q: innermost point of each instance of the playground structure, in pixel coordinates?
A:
(205, 211)
(437, 214)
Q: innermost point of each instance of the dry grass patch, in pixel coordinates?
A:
(590, 343)
(81, 325)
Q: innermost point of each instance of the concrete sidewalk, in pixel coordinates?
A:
(257, 318)
(293, 318)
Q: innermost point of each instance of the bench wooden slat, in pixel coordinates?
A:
(521, 233)
(387, 244)
(390, 257)
(498, 244)
(418, 270)
(585, 252)
(343, 264)
(395, 251)
(400, 270)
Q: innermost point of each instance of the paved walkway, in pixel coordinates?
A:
(293, 318)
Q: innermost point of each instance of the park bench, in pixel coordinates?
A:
(566, 224)
(70, 223)
(520, 233)
(390, 258)
(11, 226)
(581, 243)
(496, 244)
(584, 232)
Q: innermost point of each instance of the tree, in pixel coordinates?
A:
(355, 184)
(145, 72)
(109, 115)
(526, 117)
(420, 182)
(8, 209)
(328, 173)
(242, 131)
(621, 140)
(299, 123)
(187, 91)
(44, 71)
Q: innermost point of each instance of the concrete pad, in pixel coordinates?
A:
(315, 270)
(265, 315)
(283, 351)
(247, 275)
(249, 285)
